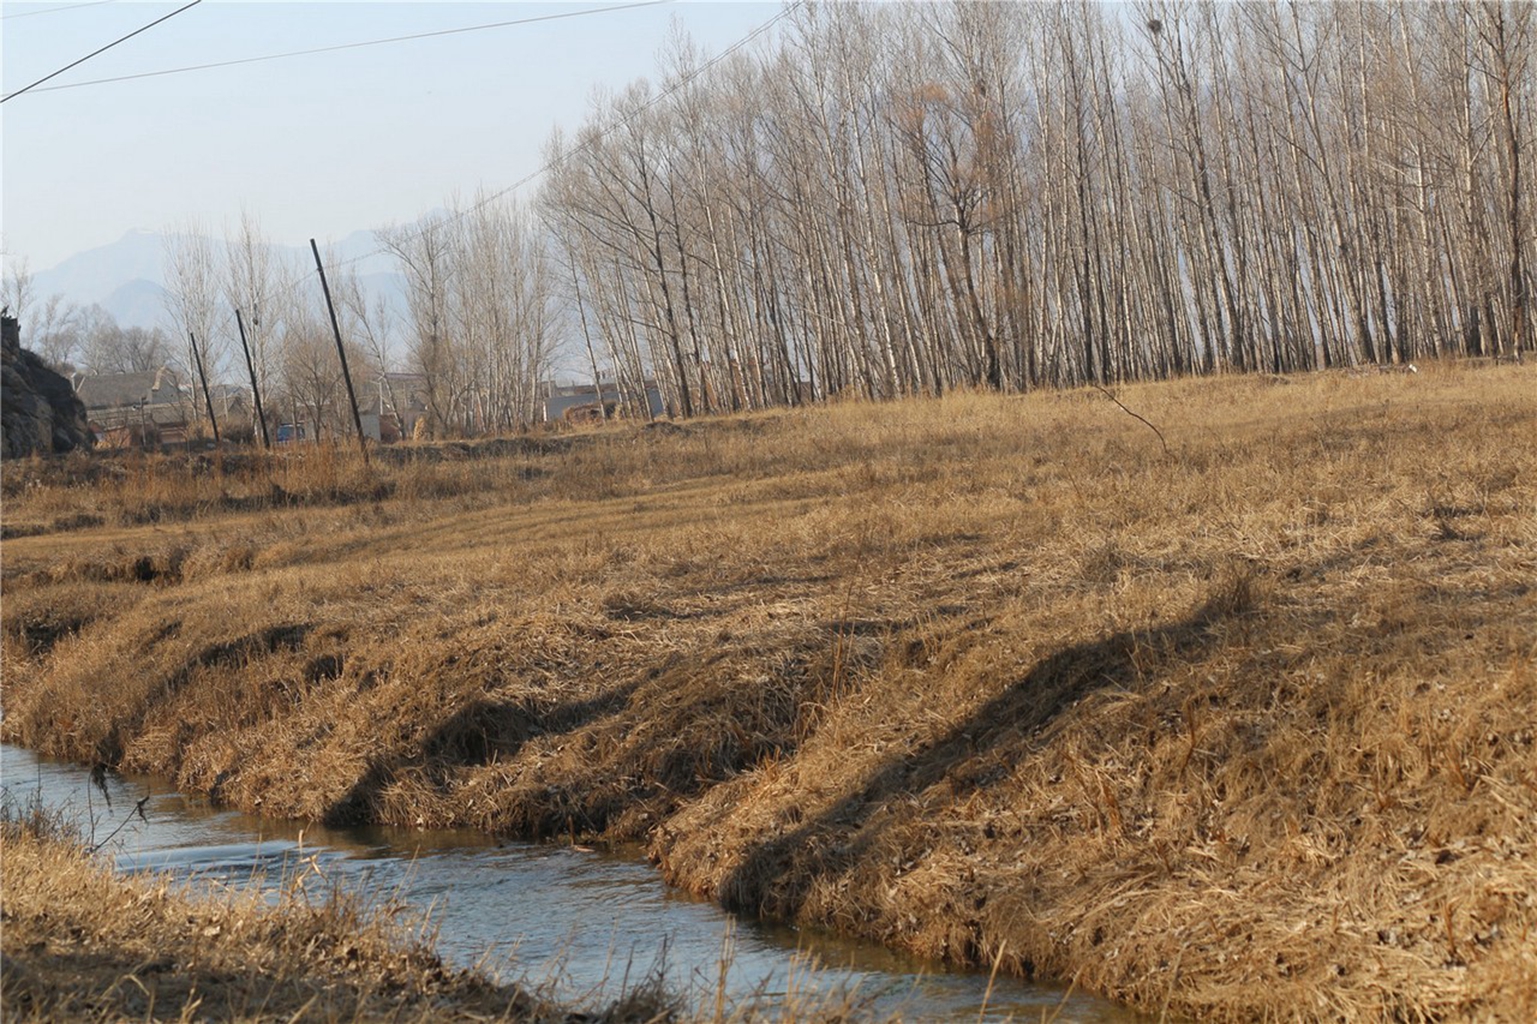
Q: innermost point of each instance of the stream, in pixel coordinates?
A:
(582, 925)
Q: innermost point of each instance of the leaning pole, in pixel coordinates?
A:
(357, 421)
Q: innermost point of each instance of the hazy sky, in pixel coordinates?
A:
(318, 145)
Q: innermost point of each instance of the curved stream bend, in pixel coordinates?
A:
(587, 922)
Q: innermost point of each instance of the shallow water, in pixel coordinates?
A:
(585, 923)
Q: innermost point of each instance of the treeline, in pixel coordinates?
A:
(282, 324)
(907, 198)
(476, 336)
(481, 320)
(467, 346)
(895, 199)
(206, 280)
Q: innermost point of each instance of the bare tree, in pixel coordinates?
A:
(109, 348)
(254, 278)
(192, 274)
(16, 290)
(424, 251)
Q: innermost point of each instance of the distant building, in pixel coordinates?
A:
(231, 402)
(582, 403)
(135, 408)
(391, 405)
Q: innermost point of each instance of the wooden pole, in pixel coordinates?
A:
(207, 398)
(256, 395)
(357, 421)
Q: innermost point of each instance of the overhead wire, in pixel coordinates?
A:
(54, 9)
(104, 49)
(589, 139)
(603, 133)
(355, 46)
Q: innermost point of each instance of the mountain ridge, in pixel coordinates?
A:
(127, 277)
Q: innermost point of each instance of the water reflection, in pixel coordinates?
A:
(588, 922)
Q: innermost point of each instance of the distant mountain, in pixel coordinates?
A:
(91, 276)
(127, 278)
(139, 303)
(362, 247)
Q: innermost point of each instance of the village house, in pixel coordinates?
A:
(580, 403)
(133, 409)
(154, 406)
(391, 405)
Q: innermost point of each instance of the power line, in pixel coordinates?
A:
(612, 127)
(53, 10)
(104, 49)
(354, 46)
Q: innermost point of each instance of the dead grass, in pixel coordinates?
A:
(84, 943)
(1245, 730)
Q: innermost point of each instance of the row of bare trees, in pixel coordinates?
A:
(906, 198)
(478, 338)
(482, 328)
(903, 199)
(293, 356)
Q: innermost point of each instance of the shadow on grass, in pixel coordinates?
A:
(478, 734)
(776, 876)
(286, 636)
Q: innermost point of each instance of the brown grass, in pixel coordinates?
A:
(1245, 730)
(84, 943)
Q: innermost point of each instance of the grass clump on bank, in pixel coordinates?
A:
(82, 942)
(1243, 729)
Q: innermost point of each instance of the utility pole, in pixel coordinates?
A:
(357, 421)
(207, 398)
(256, 395)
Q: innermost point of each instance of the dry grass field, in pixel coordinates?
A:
(1242, 730)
